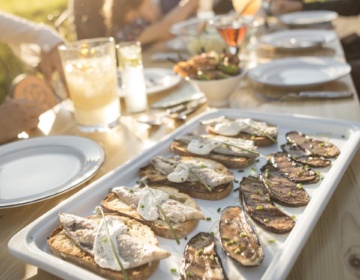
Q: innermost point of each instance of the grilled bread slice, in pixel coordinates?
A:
(113, 204)
(259, 140)
(195, 189)
(236, 162)
(64, 247)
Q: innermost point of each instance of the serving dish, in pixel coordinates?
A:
(281, 251)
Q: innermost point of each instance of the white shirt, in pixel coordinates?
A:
(27, 38)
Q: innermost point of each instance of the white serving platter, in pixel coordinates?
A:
(281, 251)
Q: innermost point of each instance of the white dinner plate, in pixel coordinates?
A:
(157, 79)
(298, 38)
(308, 17)
(297, 72)
(42, 167)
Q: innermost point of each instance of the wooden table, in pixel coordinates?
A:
(333, 249)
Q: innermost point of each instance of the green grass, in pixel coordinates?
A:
(34, 10)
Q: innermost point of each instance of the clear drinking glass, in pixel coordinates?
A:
(132, 76)
(91, 76)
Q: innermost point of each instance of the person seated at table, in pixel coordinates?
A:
(88, 18)
(142, 19)
(17, 115)
(41, 40)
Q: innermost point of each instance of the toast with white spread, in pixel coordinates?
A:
(142, 204)
(262, 133)
(231, 152)
(86, 242)
(198, 177)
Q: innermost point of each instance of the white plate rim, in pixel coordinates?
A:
(323, 17)
(175, 79)
(29, 244)
(255, 73)
(93, 157)
(270, 39)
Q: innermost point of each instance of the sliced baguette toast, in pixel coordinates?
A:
(113, 204)
(196, 189)
(64, 247)
(229, 161)
(259, 140)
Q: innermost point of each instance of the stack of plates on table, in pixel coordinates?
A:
(308, 17)
(299, 71)
(298, 39)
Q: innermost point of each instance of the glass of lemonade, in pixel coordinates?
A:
(91, 76)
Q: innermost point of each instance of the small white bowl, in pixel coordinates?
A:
(218, 92)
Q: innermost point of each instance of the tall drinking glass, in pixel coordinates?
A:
(91, 76)
(132, 76)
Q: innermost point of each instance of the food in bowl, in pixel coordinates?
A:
(216, 75)
(209, 66)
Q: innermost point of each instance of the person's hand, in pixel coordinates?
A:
(17, 115)
(50, 62)
(279, 7)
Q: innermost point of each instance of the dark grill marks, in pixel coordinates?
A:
(314, 147)
(296, 172)
(200, 258)
(238, 239)
(282, 189)
(304, 157)
(258, 205)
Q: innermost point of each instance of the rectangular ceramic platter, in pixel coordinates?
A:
(281, 251)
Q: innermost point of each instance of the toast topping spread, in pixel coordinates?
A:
(205, 144)
(197, 170)
(103, 254)
(93, 237)
(232, 127)
(180, 174)
(147, 204)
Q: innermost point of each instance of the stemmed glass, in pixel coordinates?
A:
(232, 29)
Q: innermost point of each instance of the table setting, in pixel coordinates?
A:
(295, 79)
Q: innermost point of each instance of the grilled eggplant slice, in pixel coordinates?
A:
(258, 205)
(304, 157)
(238, 239)
(296, 172)
(200, 259)
(282, 189)
(315, 147)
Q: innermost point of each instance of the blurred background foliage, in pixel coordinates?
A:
(35, 10)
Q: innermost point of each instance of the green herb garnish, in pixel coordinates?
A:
(163, 213)
(99, 210)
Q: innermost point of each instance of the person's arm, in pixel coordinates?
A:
(17, 31)
(17, 115)
(160, 31)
